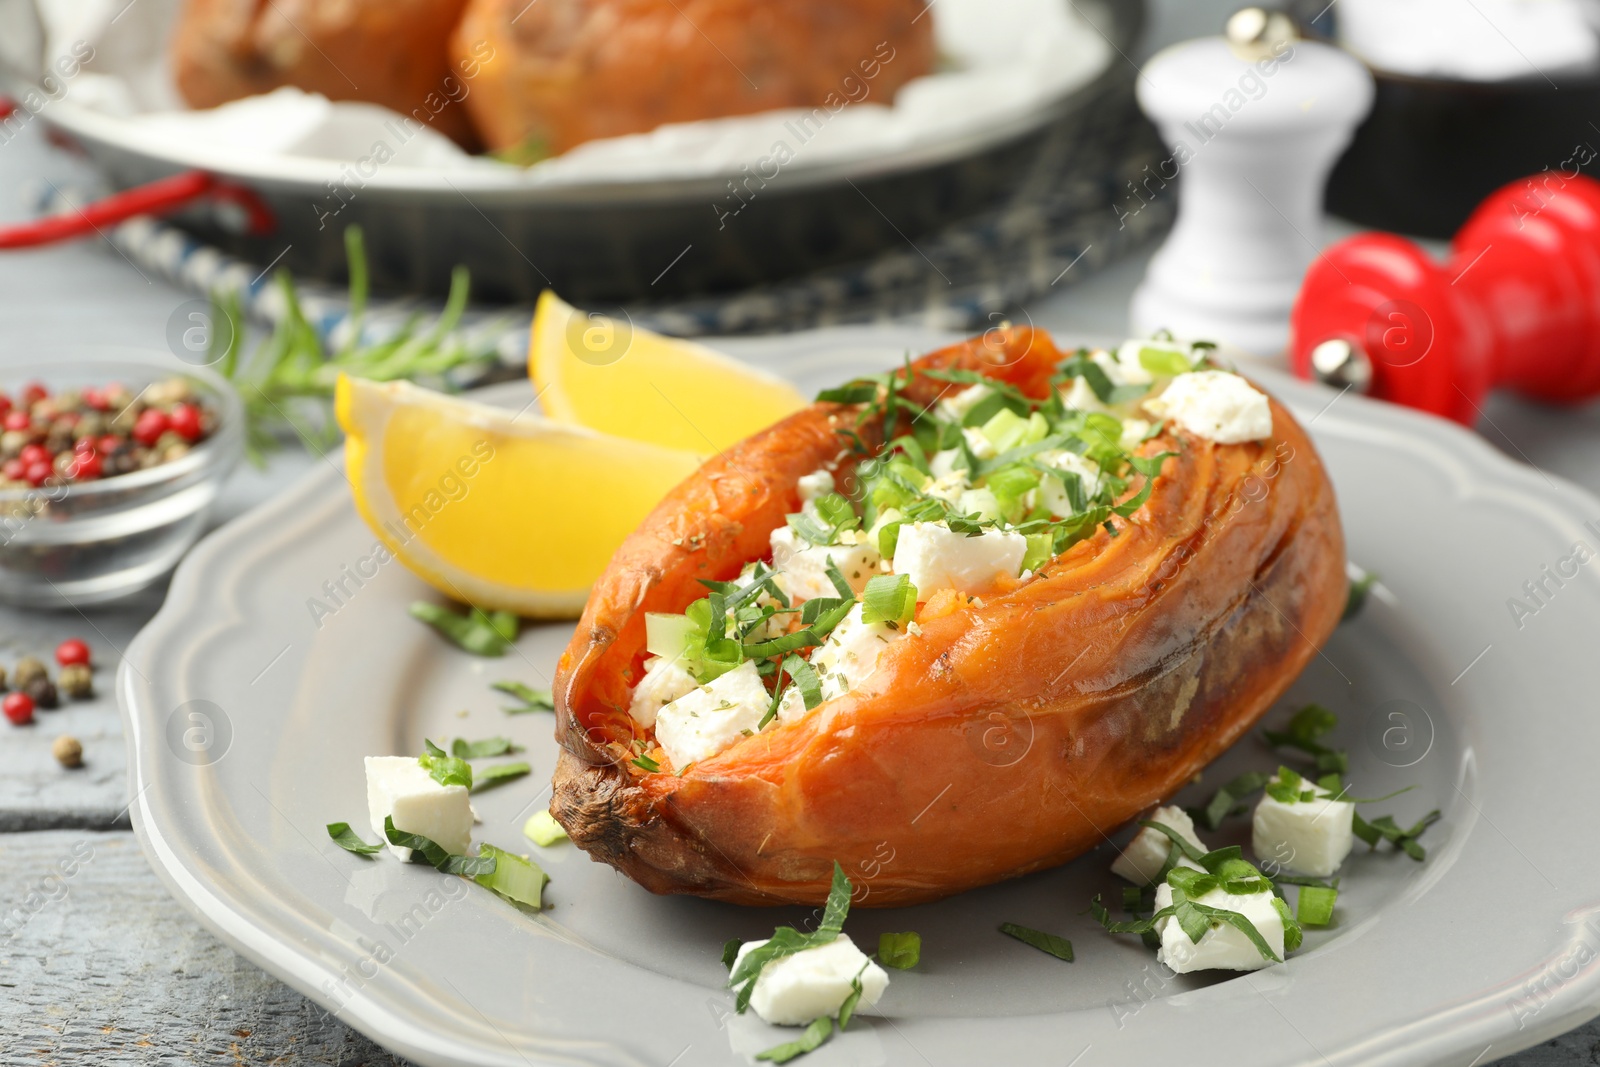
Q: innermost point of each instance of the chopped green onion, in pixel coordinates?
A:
(513, 877)
(350, 841)
(889, 598)
(900, 951)
(1059, 947)
(1315, 907)
(857, 393)
(1226, 801)
(1164, 361)
(644, 762)
(542, 829)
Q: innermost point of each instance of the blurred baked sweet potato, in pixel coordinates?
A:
(560, 72)
(389, 52)
(1010, 732)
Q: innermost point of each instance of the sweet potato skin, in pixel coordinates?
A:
(389, 52)
(1008, 737)
(568, 71)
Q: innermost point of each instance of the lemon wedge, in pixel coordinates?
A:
(609, 375)
(501, 510)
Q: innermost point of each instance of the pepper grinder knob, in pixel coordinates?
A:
(1254, 121)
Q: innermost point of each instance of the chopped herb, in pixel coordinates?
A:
(1293, 930)
(350, 841)
(532, 699)
(730, 952)
(542, 829)
(645, 763)
(854, 393)
(443, 768)
(500, 773)
(477, 632)
(1315, 907)
(786, 941)
(1356, 599)
(512, 877)
(489, 746)
(1306, 727)
(1226, 801)
(1059, 947)
(900, 951)
(848, 1008)
(435, 854)
(819, 1031)
(1384, 828)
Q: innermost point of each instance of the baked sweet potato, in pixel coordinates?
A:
(561, 72)
(389, 52)
(1015, 730)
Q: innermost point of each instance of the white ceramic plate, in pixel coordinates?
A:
(248, 721)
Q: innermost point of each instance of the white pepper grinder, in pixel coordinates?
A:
(1254, 121)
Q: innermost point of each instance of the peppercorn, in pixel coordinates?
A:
(77, 681)
(68, 751)
(43, 692)
(27, 669)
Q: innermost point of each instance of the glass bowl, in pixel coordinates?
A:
(79, 543)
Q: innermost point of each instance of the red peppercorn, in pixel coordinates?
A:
(185, 421)
(5, 403)
(14, 470)
(94, 398)
(34, 453)
(71, 651)
(16, 420)
(18, 707)
(150, 426)
(85, 465)
(108, 444)
(38, 473)
(34, 392)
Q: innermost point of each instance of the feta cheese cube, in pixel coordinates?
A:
(955, 405)
(1310, 837)
(1224, 947)
(801, 567)
(399, 788)
(1216, 405)
(811, 983)
(792, 706)
(850, 653)
(817, 483)
(713, 716)
(935, 557)
(1146, 854)
(664, 681)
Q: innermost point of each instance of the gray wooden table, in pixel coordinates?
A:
(103, 967)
